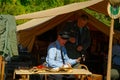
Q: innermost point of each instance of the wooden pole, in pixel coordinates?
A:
(110, 50)
(0, 66)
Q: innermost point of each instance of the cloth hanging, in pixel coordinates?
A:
(8, 40)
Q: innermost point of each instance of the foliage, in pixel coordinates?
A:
(117, 24)
(17, 7)
(101, 17)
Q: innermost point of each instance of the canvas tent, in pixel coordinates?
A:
(30, 33)
(43, 21)
(52, 17)
(27, 37)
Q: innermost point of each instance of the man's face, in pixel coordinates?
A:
(62, 41)
(82, 22)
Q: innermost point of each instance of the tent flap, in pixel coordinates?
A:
(27, 36)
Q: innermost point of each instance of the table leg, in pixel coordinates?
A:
(14, 75)
(45, 76)
(25, 77)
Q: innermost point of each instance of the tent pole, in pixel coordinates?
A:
(110, 51)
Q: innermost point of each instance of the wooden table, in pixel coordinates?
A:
(25, 73)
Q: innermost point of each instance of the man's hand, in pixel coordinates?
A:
(68, 65)
(79, 48)
(72, 40)
(78, 59)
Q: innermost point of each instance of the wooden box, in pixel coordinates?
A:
(97, 77)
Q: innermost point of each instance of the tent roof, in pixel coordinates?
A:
(43, 21)
(58, 10)
(32, 23)
(42, 16)
(27, 37)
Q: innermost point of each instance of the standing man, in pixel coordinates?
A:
(80, 37)
(57, 54)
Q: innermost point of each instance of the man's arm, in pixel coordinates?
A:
(52, 54)
(67, 59)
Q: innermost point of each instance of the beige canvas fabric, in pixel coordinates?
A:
(48, 19)
(58, 10)
(27, 36)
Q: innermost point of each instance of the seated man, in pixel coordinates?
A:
(57, 54)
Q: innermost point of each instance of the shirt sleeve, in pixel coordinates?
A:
(52, 52)
(68, 60)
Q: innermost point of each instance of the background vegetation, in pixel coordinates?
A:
(17, 7)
